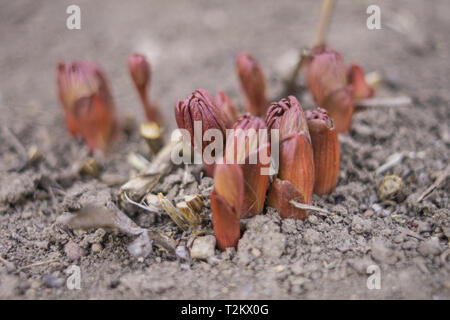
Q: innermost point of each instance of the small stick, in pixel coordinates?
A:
(15, 143)
(290, 84)
(308, 207)
(324, 22)
(37, 264)
(436, 184)
(402, 101)
(137, 204)
(392, 161)
(411, 233)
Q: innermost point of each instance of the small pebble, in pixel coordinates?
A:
(279, 268)
(26, 215)
(256, 252)
(313, 219)
(376, 207)
(52, 282)
(181, 252)
(385, 213)
(360, 225)
(96, 248)
(391, 188)
(203, 247)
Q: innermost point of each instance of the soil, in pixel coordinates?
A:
(191, 45)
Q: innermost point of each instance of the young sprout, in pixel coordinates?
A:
(326, 150)
(226, 204)
(326, 78)
(245, 147)
(295, 178)
(140, 73)
(87, 102)
(251, 78)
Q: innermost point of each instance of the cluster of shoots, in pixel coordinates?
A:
(308, 157)
(85, 95)
(308, 154)
(334, 86)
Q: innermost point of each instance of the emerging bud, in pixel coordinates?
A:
(340, 108)
(326, 150)
(200, 106)
(277, 110)
(88, 104)
(295, 178)
(357, 83)
(140, 73)
(139, 70)
(326, 79)
(226, 204)
(246, 148)
(252, 83)
(224, 102)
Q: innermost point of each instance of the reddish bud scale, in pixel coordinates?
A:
(226, 204)
(251, 78)
(88, 104)
(295, 178)
(140, 73)
(357, 83)
(326, 151)
(247, 146)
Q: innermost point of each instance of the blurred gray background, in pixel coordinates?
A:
(191, 44)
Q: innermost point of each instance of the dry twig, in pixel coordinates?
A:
(308, 207)
(324, 22)
(16, 144)
(378, 102)
(441, 178)
(37, 264)
(392, 161)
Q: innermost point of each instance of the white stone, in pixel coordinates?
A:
(203, 247)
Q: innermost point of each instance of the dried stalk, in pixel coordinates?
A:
(392, 161)
(138, 187)
(16, 144)
(436, 184)
(37, 264)
(308, 207)
(146, 208)
(324, 22)
(402, 101)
